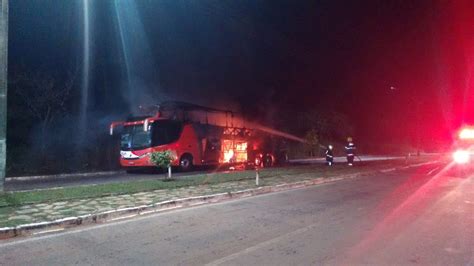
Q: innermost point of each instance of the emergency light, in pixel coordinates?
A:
(461, 156)
(466, 133)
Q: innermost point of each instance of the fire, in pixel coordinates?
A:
(228, 155)
(234, 151)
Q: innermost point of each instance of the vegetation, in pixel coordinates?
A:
(162, 159)
(312, 142)
(8, 199)
(43, 128)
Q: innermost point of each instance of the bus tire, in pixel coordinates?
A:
(186, 162)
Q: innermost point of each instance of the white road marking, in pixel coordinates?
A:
(262, 245)
(49, 231)
(433, 170)
(122, 217)
(148, 212)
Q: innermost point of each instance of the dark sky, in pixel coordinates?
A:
(284, 55)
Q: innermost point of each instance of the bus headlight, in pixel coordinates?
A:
(461, 156)
(144, 155)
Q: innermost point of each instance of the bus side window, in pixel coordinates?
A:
(213, 144)
(209, 145)
(173, 129)
(166, 132)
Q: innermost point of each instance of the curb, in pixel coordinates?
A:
(102, 217)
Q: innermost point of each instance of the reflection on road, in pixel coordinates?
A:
(431, 207)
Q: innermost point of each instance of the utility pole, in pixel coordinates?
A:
(3, 88)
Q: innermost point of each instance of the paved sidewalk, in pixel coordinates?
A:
(50, 211)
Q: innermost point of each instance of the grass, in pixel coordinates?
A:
(9, 199)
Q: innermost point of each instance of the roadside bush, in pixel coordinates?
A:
(162, 159)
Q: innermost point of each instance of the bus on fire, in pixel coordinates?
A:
(195, 135)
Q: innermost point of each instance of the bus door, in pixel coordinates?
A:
(212, 150)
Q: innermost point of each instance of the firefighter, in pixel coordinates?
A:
(350, 151)
(329, 155)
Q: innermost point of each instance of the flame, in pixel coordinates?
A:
(234, 151)
(228, 155)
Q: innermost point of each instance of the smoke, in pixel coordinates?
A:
(138, 63)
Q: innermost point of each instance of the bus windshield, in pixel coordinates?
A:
(160, 132)
(135, 138)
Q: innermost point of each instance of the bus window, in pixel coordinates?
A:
(165, 132)
(135, 138)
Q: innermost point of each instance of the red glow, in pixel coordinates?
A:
(399, 216)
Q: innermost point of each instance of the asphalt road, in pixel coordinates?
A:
(419, 216)
(76, 180)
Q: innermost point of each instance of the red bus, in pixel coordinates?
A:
(195, 135)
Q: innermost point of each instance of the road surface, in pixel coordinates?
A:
(419, 216)
(71, 180)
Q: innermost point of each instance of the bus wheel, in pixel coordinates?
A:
(186, 162)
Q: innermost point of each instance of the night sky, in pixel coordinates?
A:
(265, 58)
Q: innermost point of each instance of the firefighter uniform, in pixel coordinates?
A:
(350, 151)
(329, 155)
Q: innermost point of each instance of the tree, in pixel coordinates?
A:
(162, 159)
(312, 141)
(328, 125)
(44, 97)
